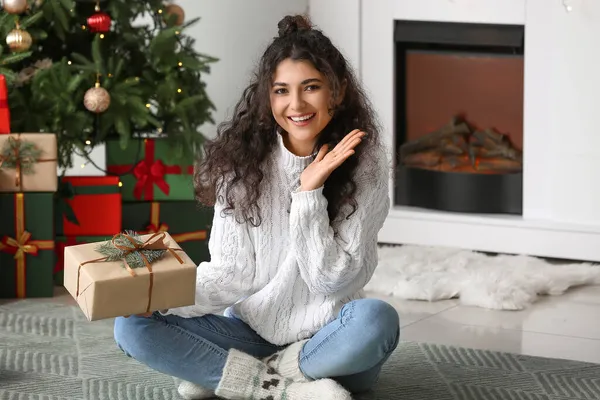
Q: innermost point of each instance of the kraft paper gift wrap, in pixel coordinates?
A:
(107, 289)
(15, 176)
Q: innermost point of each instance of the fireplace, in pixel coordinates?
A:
(459, 116)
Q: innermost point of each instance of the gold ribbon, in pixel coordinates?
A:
(22, 245)
(16, 144)
(156, 226)
(154, 242)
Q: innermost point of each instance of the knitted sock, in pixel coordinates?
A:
(287, 362)
(191, 391)
(247, 378)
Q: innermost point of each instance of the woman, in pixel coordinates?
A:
(299, 182)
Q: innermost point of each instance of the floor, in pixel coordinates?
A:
(566, 326)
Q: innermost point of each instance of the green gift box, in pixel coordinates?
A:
(26, 245)
(64, 241)
(186, 222)
(147, 172)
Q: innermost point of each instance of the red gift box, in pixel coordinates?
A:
(96, 204)
(4, 110)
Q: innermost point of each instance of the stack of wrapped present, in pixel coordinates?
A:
(87, 209)
(158, 196)
(161, 234)
(49, 223)
(28, 183)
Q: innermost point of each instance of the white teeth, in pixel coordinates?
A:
(304, 118)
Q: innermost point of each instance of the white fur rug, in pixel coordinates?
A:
(495, 282)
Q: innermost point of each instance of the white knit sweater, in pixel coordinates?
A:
(290, 276)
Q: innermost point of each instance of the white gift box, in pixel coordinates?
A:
(83, 167)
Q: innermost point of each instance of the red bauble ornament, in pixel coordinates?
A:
(99, 22)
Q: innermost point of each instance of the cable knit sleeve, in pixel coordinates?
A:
(229, 275)
(343, 263)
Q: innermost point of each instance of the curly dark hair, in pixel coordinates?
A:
(234, 165)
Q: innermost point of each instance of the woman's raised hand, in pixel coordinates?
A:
(315, 175)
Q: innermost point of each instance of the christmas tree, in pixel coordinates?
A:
(90, 71)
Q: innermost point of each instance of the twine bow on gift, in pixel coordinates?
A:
(22, 155)
(128, 248)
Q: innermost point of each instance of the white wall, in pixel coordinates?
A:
(237, 32)
(338, 20)
(563, 82)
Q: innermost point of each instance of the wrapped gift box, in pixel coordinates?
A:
(108, 289)
(26, 245)
(188, 223)
(28, 162)
(88, 206)
(83, 167)
(148, 172)
(63, 241)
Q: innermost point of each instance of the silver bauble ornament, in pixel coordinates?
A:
(19, 40)
(96, 99)
(14, 6)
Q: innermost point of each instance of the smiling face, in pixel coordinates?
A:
(300, 102)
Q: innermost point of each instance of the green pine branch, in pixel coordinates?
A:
(139, 66)
(22, 153)
(127, 252)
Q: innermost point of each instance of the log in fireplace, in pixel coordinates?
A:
(459, 116)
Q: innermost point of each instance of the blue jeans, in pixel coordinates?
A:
(351, 349)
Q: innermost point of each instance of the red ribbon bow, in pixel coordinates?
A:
(149, 173)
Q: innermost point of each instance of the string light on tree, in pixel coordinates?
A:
(97, 99)
(15, 6)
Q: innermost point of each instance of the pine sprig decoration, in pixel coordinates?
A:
(28, 154)
(133, 258)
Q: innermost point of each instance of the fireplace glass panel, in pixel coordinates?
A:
(459, 116)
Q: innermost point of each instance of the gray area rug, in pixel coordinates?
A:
(48, 351)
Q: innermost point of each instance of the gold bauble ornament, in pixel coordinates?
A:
(19, 40)
(174, 9)
(96, 99)
(15, 6)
